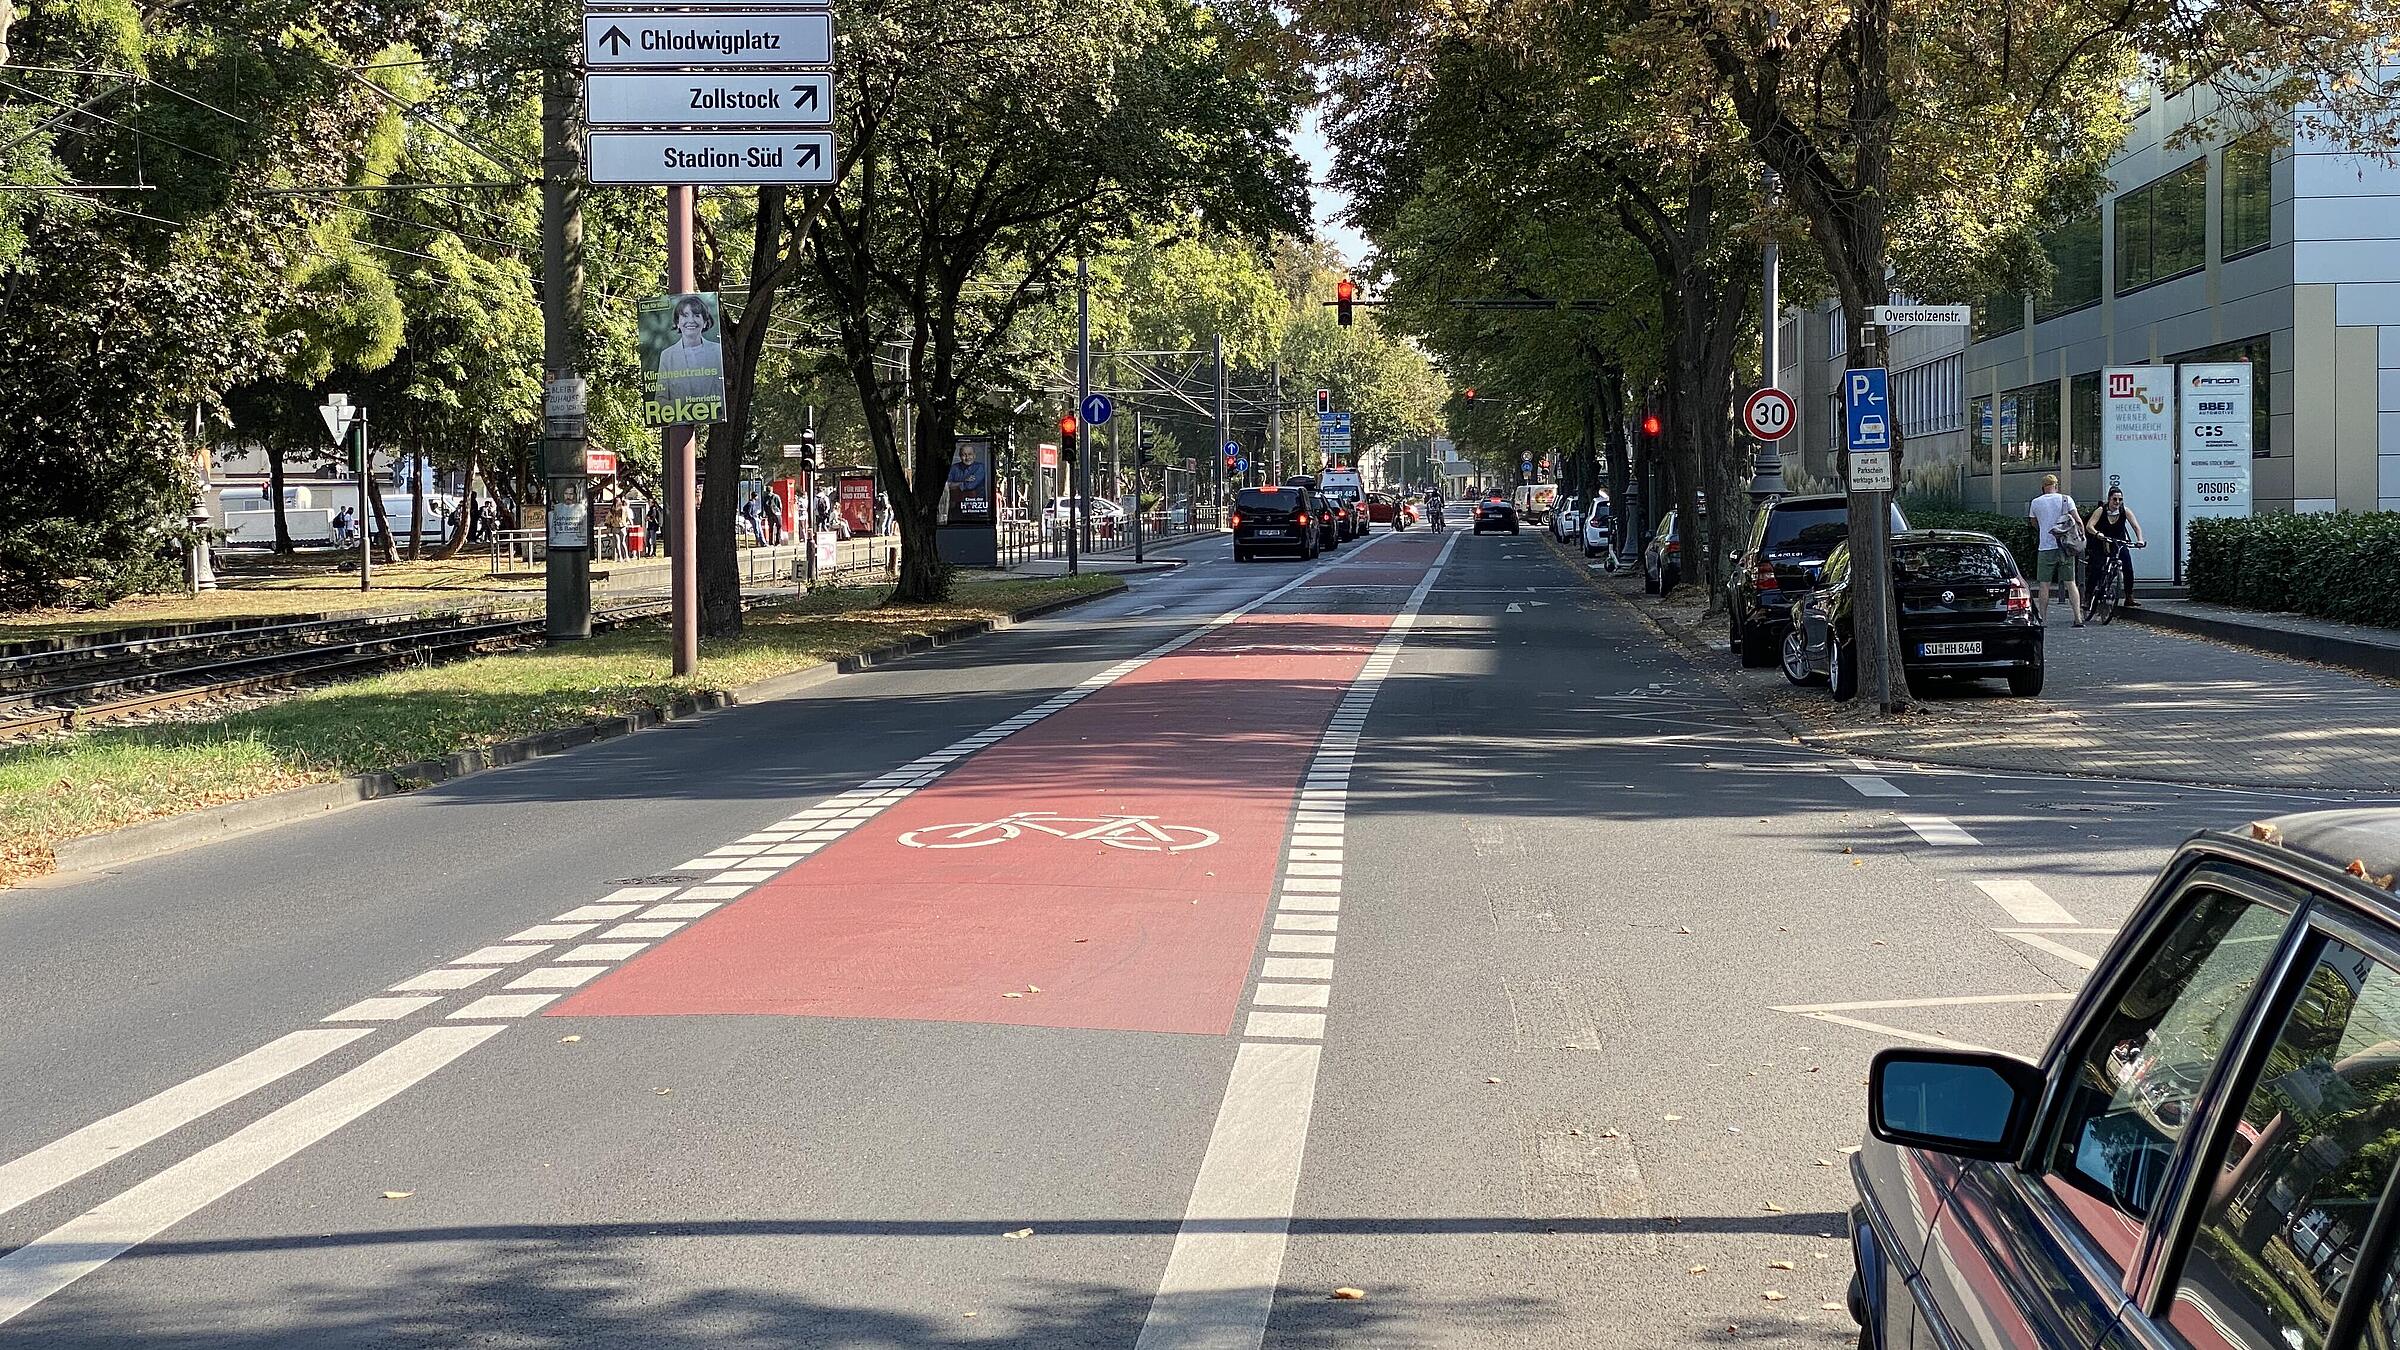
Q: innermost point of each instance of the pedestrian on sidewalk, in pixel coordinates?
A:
(750, 517)
(2058, 537)
(774, 517)
(2111, 525)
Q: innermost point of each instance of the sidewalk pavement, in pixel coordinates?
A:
(2126, 700)
(2372, 651)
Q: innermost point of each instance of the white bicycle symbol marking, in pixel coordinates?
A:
(1142, 834)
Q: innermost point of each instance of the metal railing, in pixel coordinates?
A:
(1108, 532)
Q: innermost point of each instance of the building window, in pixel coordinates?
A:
(1926, 397)
(1837, 424)
(2249, 194)
(1999, 315)
(2028, 427)
(2083, 420)
(1979, 432)
(1837, 333)
(2162, 228)
(2257, 351)
(2074, 253)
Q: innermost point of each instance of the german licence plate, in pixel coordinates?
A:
(1273, 534)
(1949, 649)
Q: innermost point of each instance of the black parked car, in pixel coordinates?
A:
(1274, 520)
(1965, 611)
(1790, 539)
(1495, 512)
(2204, 1158)
(1323, 511)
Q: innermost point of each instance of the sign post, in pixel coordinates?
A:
(340, 414)
(2137, 453)
(2216, 445)
(707, 93)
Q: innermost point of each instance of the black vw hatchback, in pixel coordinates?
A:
(1273, 520)
(1965, 612)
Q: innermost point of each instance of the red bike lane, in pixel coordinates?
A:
(1024, 926)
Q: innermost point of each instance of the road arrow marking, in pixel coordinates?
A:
(1515, 608)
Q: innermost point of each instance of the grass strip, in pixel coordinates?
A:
(65, 787)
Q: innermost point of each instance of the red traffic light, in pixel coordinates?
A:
(1345, 289)
(1470, 393)
(1067, 424)
(1650, 425)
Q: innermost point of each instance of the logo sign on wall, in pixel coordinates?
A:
(2137, 451)
(2216, 403)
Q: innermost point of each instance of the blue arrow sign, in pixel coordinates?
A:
(1233, 449)
(1241, 465)
(1866, 394)
(1097, 409)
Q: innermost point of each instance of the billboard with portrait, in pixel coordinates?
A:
(967, 500)
(683, 361)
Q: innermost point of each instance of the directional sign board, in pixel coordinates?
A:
(709, 98)
(712, 157)
(761, 38)
(1097, 409)
(1866, 396)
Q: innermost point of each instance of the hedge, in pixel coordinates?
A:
(2014, 531)
(2344, 567)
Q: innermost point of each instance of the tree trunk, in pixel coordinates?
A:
(465, 524)
(382, 527)
(283, 527)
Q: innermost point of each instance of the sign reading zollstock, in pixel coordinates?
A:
(2137, 454)
(2216, 443)
(724, 96)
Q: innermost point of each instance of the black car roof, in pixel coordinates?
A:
(1812, 502)
(2362, 843)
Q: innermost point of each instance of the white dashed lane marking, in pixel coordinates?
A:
(1872, 787)
(1940, 830)
(2024, 901)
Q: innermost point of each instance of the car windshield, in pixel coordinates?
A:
(1810, 530)
(1952, 562)
(1268, 499)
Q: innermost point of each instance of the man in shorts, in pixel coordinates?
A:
(2053, 563)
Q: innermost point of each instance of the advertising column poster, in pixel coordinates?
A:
(967, 498)
(2137, 455)
(2216, 444)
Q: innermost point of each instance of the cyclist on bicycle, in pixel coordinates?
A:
(2115, 532)
(1433, 507)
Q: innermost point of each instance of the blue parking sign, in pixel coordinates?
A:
(1866, 394)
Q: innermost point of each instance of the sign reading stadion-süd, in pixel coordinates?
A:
(703, 98)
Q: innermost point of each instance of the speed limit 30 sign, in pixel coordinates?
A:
(1770, 414)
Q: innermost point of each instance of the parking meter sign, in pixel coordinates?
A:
(1866, 397)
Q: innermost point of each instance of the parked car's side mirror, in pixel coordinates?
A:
(1967, 1103)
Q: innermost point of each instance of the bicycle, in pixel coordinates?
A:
(2108, 588)
(1136, 833)
(1435, 515)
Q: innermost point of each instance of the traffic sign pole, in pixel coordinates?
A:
(684, 593)
(566, 572)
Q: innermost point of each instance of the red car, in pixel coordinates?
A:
(1387, 510)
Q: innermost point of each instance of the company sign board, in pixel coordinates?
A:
(2137, 453)
(709, 98)
(2216, 405)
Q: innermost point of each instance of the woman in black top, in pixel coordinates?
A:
(2112, 526)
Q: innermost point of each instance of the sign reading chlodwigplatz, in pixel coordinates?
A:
(620, 41)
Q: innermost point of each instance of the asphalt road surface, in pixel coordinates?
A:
(1413, 922)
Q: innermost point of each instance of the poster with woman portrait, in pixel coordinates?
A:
(683, 361)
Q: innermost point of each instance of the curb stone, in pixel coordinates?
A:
(2381, 660)
(191, 829)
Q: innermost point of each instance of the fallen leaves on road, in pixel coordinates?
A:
(1849, 1148)
(1612, 1133)
(1682, 930)
(1781, 1265)
(1834, 1307)
(1697, 1270)
(662, 1091)
(1018, 1233)
(397, 1195)
(1010, 993)
(1824, 1162)
(1348, 1294)
(1674, 1117)
(569, 1040)
(1772, 1295)
(1491, 1080)
(1772, 1208)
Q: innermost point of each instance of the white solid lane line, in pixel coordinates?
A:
(1220, 1278)
(55, 1164)
(2062, 951)
(2024, 901)
(1938, 830)
(83, 1244)
(1872, 787)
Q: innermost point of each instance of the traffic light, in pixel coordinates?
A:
(1470, 398)
(1345, 292)
(1145, 443)
(1324, 402)
(1067, 425)
(1650, 422)
(808, 451)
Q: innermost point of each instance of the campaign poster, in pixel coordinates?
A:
(968, 497)
(683, 359)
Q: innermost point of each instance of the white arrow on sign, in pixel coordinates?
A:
(709, 98)
(338, 417)
(757, 38)
(710, 158)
